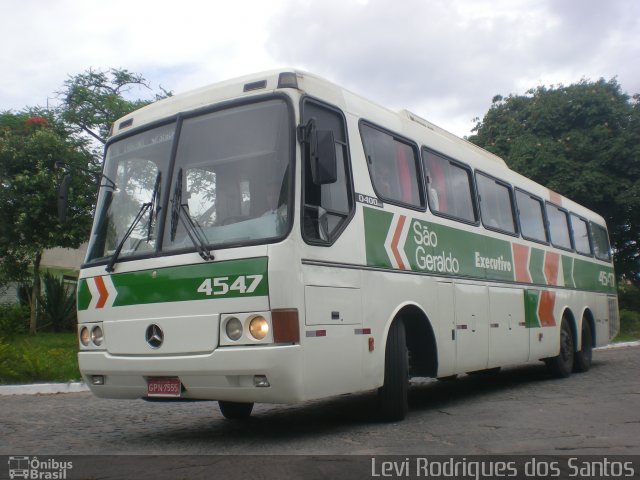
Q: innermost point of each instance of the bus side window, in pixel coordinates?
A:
(449, 187)
(600, 240)
(328, 207)
(496, 204)
(532, 218)
(559, 226)
(580, 229)
(393, 166)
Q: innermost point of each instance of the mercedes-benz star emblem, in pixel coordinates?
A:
(154, 336)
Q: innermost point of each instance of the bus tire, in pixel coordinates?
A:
(582, 360)
(393, 395)
(562, 364)
(235, 410)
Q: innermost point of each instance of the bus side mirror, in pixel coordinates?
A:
(324, 164)
(63, 198)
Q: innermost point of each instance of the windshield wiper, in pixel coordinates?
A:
(194, 230)
(152, 207)
(143, 209)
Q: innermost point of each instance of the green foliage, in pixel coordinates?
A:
(58, 303)
(94, 99)
(30, 144)
(6, 356)
(629, 297)
(47, 357)
(629, 326)
(29, 188)
(582, 141)
(14, 319)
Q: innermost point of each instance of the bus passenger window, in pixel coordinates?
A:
(600, 241)
(559, 227)
(448, 187)
(531, 214)
(580, 235)
(496, 205)
(393, 166)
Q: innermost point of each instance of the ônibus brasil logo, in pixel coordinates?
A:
(36, 469)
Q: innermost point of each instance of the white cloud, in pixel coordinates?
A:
(443, 59)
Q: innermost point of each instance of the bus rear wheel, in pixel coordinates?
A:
(393, 395)
(235, 410)
(582, 361)
(562, 364)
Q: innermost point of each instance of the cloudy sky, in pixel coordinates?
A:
(442, 59)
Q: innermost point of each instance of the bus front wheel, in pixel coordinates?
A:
(235, 410)
(393, 395)
(562, 364)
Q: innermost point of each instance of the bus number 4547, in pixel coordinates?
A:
(244, 285)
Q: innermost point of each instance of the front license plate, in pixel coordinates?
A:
(163, 387)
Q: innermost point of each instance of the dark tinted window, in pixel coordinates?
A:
(531, 214)
(600, 242)
(558, 227)
(449, 187)
(580, 235)
(495, 204)
(393, 166)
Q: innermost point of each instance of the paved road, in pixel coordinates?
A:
(521, 410)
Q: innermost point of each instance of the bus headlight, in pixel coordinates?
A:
(246, 328)
(97, 337)
(233, 329)
(259, 327)
(84, 336)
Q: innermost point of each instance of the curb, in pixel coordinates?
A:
(77, 387)
(619, 345)
(43, 388)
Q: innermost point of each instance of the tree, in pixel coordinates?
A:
(582, 141)
(94, 99)
(30, 143)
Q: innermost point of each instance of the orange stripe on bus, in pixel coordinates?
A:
(396, 239)
(545, 308)
(555, 198)
(551, 265)
(102, 290)
(521, 259)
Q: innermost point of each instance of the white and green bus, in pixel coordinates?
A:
(277, 238)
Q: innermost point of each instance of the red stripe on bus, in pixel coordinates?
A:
(396, 239)
(521, 259)
(551, 265)
(545, 308)
(102, 290)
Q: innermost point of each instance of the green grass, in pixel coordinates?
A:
(46, 357)
(629, 326)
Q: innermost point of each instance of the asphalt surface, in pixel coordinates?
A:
(521, 410)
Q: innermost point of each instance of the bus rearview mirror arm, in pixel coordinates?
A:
(63, 189)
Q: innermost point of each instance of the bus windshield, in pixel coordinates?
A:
(230, 181)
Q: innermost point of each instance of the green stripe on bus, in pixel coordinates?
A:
(84, 295)
(567, 270)
(376, 225)
(536, 266)
(227, 279)
(402, 242)
(531, 298)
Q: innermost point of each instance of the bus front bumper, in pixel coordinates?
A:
(228, 373)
